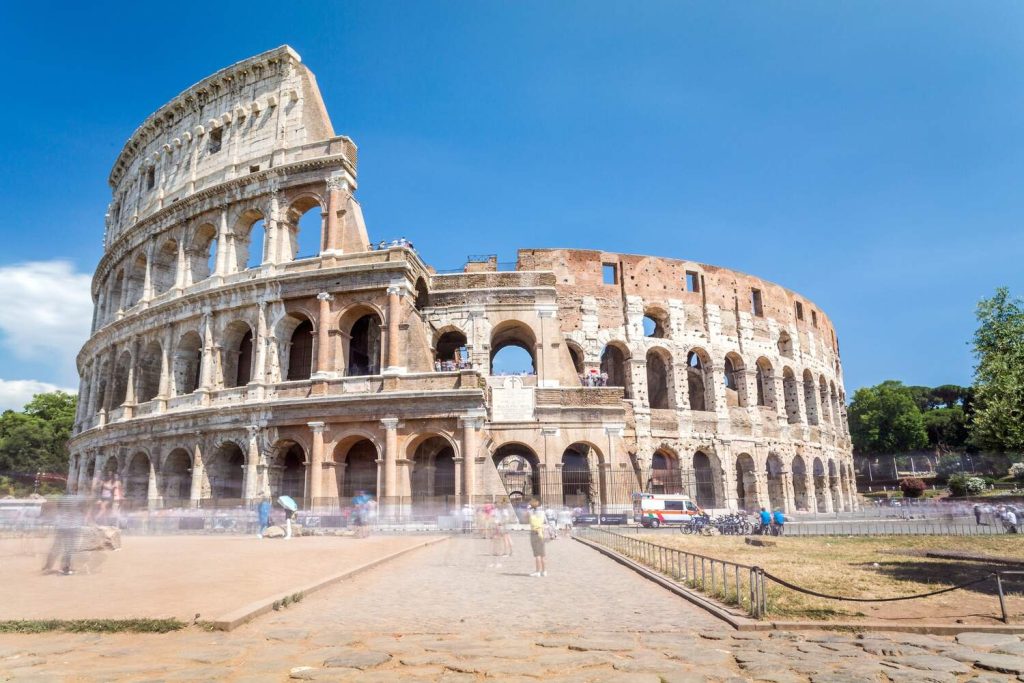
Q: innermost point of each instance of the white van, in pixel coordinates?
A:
(654, 509)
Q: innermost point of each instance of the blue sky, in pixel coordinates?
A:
(868, 155)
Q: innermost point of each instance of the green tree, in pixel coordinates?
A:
(946, 428)
(35, 439)
(885, 419)
(998, 420)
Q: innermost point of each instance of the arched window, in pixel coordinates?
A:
(257, 244)
(150, 362)
(655, 323)
(791, 394)
(698, 372)
(785, 345)
(115, 296)
(121, 372)
(704, 481)
(765, 383)
(137, 280)
(823, 396)
(659, 379)
(250, 240)
(304, 228)
(735, 388)
(300, 352)
(244, 372)
(512, 349)
(450, 351)
(188, 361)
(422, 295)
(165, 267)
(810, 401)
(576, 355)
(237, 354)
(613, 366)
(364, 346)
(202, 253)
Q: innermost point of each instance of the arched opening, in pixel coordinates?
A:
(202, 252)
(790, 394)
(164, 271)
(450, 351)
(422, 295)
(305, 229)
(237, 355)
(580, 478)
(257, 244)
(836, 413)
(665, 475)
(136, 479)
(785, 345)
(576, 356)
(824, 400)
(360, 468)
(704, 481)
(659, 379)
(177, 478)
(225, 472)
(776, 485)
(655, 323)
(433, 475)
(150, 363)
(512, 349)
(136, 280)
(614, 370)
(300, 352)
(799, 483)
(188, 362)
(765, 380)
(820, 486)
(746, 483)
(101, 394)
(115, 296)
(735, 387)
(121, 375)
(519, 469)
(288, 473)
(698, 370)
(810, 401)
(364, 346)
(835, 490)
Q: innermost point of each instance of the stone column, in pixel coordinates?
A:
(788, 492)
(249, 486)
(147, 282)
(181, 269)
(195, 494)
(165, 370)
(259, 376)
(221, 264)
(334, 206)
(323, 338)
(316, 464)
(206, 371)
(390, 425)
(152, 492)
(471, 425)
(129, 394)
(551, 488)
(458, 480)
(73, 465)
(83, 468)
(546, 371)
(394, 313)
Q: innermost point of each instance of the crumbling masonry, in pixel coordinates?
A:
(217, 373)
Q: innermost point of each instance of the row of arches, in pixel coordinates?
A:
(205, 250)
(657, 324)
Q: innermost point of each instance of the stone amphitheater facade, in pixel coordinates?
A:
(215, 377)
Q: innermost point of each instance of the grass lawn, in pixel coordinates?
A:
(875, 567)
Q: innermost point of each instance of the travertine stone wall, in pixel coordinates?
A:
(208, 382)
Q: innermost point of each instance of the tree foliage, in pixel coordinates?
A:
(998, 420)
(885, 419)
(35, 439)
(912, 487)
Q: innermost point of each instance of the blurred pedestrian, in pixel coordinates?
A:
(779, 521)
(977, 514)
(538, 531)
(264, 515)
(766, 522)
(68, 526)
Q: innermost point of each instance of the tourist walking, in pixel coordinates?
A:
(766, 522)
(977, 514)
(1009, 518)
(263, 511)
(67, 527)
(779, 521)
(538, 536)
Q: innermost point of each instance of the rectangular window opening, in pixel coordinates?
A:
(254, 169)
(814, 318)
(692, 281)
(609, 274)
(799, 311)
(216, 138)
(150, 178)
(755, 303)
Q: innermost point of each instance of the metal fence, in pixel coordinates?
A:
(728, 582)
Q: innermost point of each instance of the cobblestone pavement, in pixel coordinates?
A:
(446, 613)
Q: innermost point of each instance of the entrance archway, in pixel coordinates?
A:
(704, 481)
(136, 479)
(288, 474)
(225, 472)
(799, 483)
(359, 457)
(776, 482)
(665, 475)
(582, 480)
(432, 480)
(177, 479)
(519, 469)
(746, 483)
(820, 486)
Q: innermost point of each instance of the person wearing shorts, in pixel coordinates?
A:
(538, 529)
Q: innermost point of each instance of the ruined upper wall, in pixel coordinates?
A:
(262, 112)
(580, 273)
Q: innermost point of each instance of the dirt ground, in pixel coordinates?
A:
(176, 576)
(875, 567)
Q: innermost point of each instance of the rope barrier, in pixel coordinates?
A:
(791, 586)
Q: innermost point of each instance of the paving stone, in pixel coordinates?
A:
(1016, 649)
(287, 634)
(357, 660)
(887, 648)
(918, 676)
(986, 640)
(1007, 664)
(989, 678)
(931, 663)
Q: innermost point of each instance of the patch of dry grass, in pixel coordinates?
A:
(868, 567)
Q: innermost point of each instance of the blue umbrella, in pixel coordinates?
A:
(287, 503)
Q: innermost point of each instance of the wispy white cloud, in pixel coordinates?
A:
(15, 393)
(45, 310)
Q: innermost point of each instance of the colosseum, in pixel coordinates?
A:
(225, 365)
